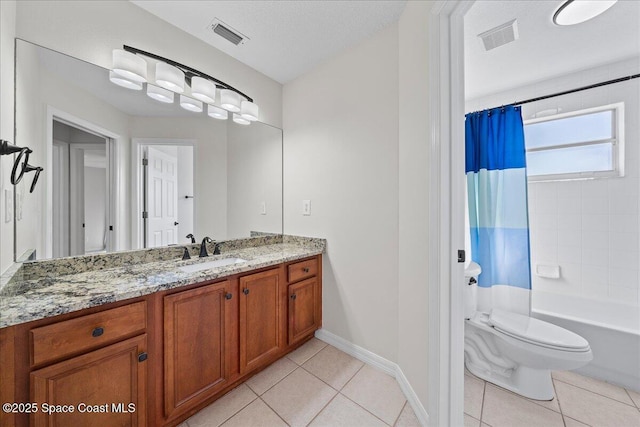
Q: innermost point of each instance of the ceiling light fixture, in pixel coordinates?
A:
(160, 94)
(217, 112)
(130, 71)
(239, 120)
(577, 11)
(123, 81)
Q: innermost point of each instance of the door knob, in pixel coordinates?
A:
(176, 223)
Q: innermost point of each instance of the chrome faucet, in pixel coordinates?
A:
(203, 247)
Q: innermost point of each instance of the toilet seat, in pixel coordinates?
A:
(537, 332)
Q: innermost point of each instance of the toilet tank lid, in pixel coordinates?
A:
(536, 331)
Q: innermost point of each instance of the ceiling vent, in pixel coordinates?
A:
(500, 35)
(227, 32)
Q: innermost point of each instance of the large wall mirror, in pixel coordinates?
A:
(124, 171)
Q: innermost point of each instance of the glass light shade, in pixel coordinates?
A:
(577, 11)
(203, 89)
(239, 120)
(217, 112)
(249, 111)
(230, 100)
(129, 65)
(190, 104)
(160, 94)
(123, 81)
(169, 77)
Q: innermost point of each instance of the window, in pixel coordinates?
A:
(577, 145)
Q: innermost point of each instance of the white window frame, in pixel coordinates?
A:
(617, 144)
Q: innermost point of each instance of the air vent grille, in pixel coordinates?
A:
(500, 35)
(226, 33)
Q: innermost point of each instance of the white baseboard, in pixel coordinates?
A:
(381, 363)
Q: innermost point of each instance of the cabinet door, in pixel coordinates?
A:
(259, 319)
(303, 309)
(106, 387)
(196, 349)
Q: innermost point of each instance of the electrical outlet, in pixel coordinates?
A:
(263, 208)
(306, 207)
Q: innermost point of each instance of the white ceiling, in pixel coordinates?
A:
(544, 49)
(287, 38)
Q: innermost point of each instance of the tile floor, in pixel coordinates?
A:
(580, 401)
(316, 385)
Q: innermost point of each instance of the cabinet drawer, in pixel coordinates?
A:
(302, 270)
(69, 337)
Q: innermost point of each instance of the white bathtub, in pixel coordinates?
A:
(612, 329)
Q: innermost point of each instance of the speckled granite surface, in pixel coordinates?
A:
(53, 294)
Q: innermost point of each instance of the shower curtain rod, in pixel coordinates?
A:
(566, 92)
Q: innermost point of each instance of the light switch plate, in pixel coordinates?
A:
(306, 207)
(8, 205)
(263, 208)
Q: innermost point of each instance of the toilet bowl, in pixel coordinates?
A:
(518, 352)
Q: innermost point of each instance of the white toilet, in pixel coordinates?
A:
(514, 351)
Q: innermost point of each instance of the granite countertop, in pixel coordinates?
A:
(28, 300)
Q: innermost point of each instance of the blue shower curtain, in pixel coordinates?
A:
(497, 194)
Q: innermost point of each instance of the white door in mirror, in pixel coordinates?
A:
(162, 198)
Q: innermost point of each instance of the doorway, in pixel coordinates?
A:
(164, 192)
(81, 191)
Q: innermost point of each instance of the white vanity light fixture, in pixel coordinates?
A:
(124, 82)
(129, 65)
(578, 11)
(203, 89)
(240, 120)
(169, 77)
(249, 111)
(160, 94)
(217, 112)
(191, 104)
(130, 70)
(230, 100)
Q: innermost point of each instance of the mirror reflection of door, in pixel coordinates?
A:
(80, 191)
(169, 180)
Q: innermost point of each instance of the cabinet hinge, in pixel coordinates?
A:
(145, 215)
(145, 162)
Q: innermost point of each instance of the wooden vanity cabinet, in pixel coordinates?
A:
(169, 354)
(260, 319)
(197, 337)
(304, 299)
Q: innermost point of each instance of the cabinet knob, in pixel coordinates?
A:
(246, 291)
(294, 296)
(306, 269)
(228, 296)
(97, 332)
(142, 357)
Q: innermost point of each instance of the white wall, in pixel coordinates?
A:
(589, 228)
(254, 164)
(90, 30)
(413, 248)
(95, 208)
(341, 152)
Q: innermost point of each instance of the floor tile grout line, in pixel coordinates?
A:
(484, 391)
(555, 393)
(634, 402)
(351, 400)
(599, 394)
(571, 418)
(323, 408)
(353, 376)
(398, 417)
(239, 410)
(276, 383)
(274, 411)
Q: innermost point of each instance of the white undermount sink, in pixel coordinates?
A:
(211, 264)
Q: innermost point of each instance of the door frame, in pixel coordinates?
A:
(115, 174)
(446, 222)
(138, 146)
